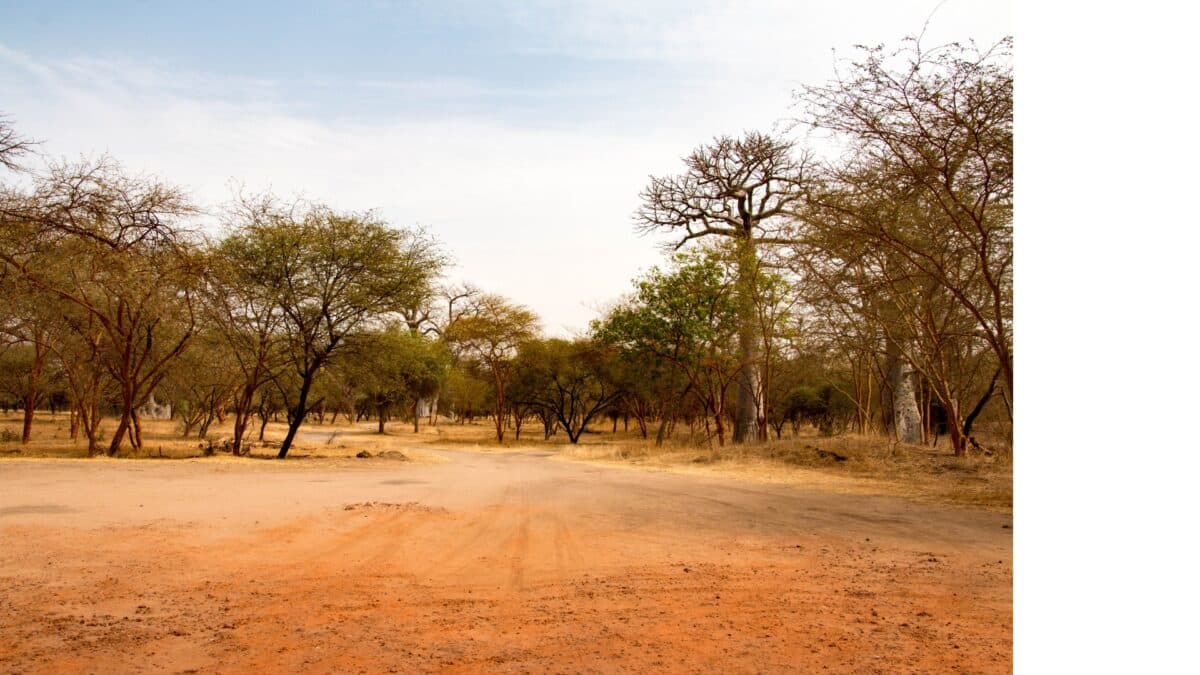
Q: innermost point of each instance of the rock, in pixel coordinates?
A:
(363, 454)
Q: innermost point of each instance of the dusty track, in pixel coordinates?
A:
(496, 562)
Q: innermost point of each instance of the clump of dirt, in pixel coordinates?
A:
(406, 507)
(805, 455)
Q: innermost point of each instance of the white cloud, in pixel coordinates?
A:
(541, 216)
(536, 207)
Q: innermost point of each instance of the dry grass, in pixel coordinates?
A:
(848, 463)
(870, 466)
(161, 440)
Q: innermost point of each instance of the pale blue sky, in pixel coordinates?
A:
(518, 132)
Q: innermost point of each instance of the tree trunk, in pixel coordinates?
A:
(136, 431)
(296, 418)
(241, 418)
(122, 427)
(31, 393)
(987, 395)
(954, 425)
(906, 415)
(27, 423)
(74, 421)
(748, 404)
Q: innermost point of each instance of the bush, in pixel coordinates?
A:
(822, 406)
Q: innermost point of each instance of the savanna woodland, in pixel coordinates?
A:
(866, 292)
(278, 435)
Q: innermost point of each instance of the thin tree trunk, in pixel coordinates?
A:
(74, 422)
(987, 395)
(27, 422)
(115, 445)
(136, 435)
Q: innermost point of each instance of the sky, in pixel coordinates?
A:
(518, 133)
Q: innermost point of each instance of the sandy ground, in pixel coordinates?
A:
(501, 562)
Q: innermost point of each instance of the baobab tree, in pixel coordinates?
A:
(746, 190)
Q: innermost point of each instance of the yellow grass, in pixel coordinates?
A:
(162, 440)
(872, 465)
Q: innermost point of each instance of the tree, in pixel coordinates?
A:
(12, 145)
(201, 383)
(247, 316)
(930, 130)
(111, 245)
(28, 325)
(491, 336)
(332, 274)
(745, 190)
(394, 366)
(572, 380)
(686, 316)
(466, 393)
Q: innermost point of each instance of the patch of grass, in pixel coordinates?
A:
(847, 463)
(161, 440)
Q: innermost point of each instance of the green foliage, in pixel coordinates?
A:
(329, 275)
(490, 337)
(392, 367)
(685, 315)
(688, 318)
(822, 406)
(465, 393)
(572, 381)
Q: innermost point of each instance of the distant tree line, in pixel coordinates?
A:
(869, 291)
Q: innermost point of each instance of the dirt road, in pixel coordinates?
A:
(484, 562)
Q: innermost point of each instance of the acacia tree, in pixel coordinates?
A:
(201, 383)
(394, 366)
(246, 313)
(930, 129)
(330, 274)
(465, 393)
(28, 324)
(572, 380)
(131, 269)
(745, 190)
(490, 336)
